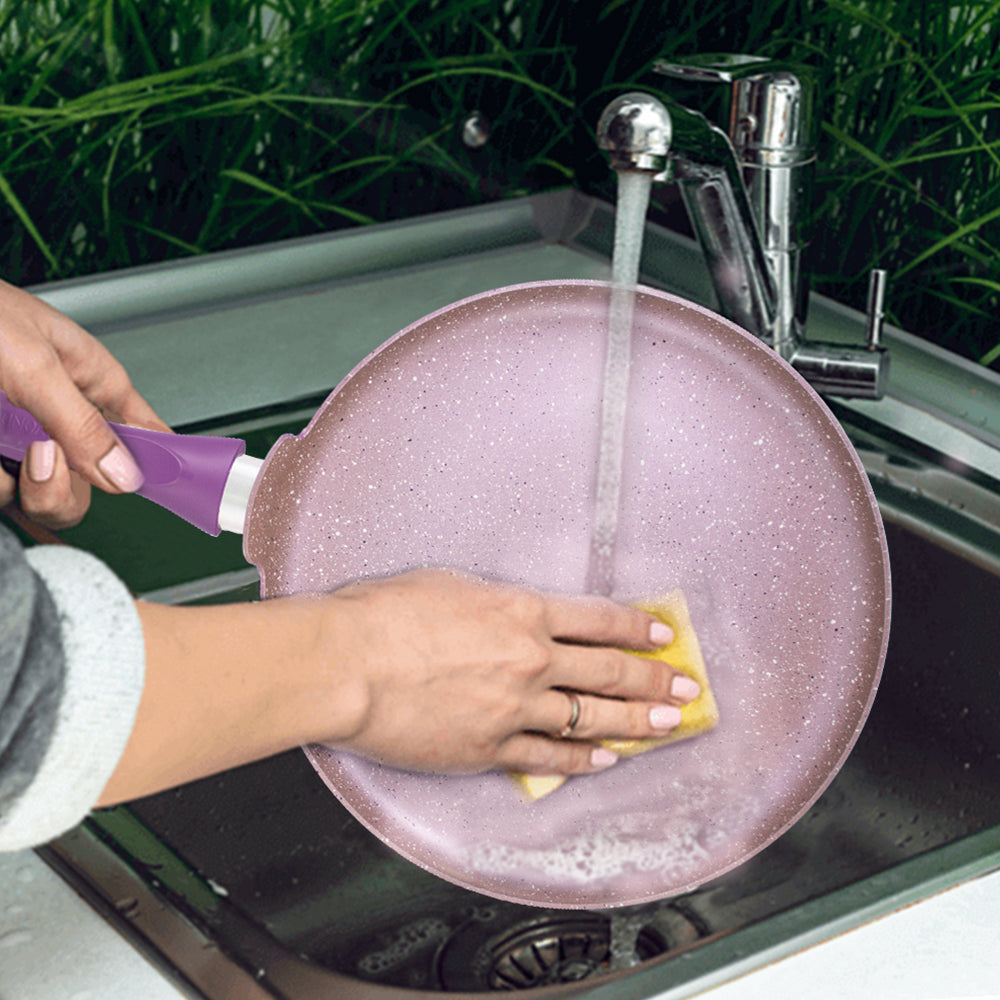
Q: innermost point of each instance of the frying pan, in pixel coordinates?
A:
(470, 440)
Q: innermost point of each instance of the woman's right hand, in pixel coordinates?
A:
(432, 670)
(450, 673)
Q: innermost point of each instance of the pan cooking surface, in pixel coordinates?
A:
(470, 440)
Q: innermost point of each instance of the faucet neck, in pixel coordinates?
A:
(771, 126)
(771, 134)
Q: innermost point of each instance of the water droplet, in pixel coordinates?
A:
(11, 939)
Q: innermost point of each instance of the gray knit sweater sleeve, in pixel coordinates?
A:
(32, 670)
(71, 669)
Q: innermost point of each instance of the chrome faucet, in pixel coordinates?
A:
(744, 192)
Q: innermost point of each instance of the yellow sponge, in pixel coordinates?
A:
(697, 716)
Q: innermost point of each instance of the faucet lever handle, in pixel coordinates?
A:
(771, 113)
(876, 308)
(717, 67)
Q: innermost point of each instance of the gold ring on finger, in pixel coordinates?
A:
(574, 716)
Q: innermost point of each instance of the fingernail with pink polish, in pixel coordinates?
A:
(664, 717)
(41, 461)
(602, 757)
(660, 634)
(684, 688)
(120, 468)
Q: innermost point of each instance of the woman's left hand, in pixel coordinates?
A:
(71, 383)
(46, 489)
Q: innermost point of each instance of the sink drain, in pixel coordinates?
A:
(561, 949)
(563, 952)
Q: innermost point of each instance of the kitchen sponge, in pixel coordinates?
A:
(697, 716)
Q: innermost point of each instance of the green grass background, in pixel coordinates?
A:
(134, 131)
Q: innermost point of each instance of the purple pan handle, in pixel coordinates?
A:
(186, 474)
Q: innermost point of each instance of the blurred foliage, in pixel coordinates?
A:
(134, 131)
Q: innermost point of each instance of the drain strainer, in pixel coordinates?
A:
(561, 949)
(564, 952)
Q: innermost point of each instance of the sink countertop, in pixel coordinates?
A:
(942, 948)
(54, 946)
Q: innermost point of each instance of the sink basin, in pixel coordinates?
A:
(257, 883)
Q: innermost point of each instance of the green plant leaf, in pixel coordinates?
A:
(8, 194)
(285, 196)
(951, 240)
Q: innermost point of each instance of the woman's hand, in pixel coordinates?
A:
(71, 383)
(450, 673)
(432, 670)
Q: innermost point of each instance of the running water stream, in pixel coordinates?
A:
(624, 944)
(630, 218)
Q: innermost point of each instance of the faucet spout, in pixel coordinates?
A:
(672, 142)
(675, 143)
(635, 130)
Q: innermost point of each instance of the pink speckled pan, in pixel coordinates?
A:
(470, 440)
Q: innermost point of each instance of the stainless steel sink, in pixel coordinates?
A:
(257, 883)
